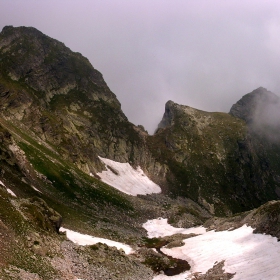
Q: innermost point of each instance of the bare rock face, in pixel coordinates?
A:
(252, 105)
(213, 160)
(47, 66)
(41, 215)
(58, 96)
(264, 219)
(168, 116)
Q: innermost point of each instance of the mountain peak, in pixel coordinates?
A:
(168, 115)
(251, 102)
(49, 67)
(21, 29)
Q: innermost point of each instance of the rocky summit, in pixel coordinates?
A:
(62, 131)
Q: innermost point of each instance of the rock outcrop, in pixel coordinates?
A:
(213, 159)
(60, 98)
(248, 107)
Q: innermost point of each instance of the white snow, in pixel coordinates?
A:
(159, 228)
(128, 180)
(8, 190)
(250, 256)
(84, 239)
(182, 276)
(36, 189)
(11, 192)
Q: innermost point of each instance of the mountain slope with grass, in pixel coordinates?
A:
(214, 159)
(71, 158)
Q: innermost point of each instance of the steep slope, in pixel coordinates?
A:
(260, 109)
(58, 118)
(34, 181)
(55, 97)
(254, 106)
(58, 96)
(213, 160)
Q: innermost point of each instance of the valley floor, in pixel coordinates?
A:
(242, 254)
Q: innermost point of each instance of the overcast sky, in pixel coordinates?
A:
(205, 54)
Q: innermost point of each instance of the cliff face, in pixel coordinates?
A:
(214, 159)
(60, 98)
(48, 67)
(252, 106)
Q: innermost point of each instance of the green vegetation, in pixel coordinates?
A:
(58, 116)
(210, 157)
(156, 243)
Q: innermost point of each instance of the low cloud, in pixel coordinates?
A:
(204, 54)
(266, 116)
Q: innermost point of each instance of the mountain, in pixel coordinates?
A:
(214, 160)
(260, 109)
(71, 158)
(252, 106)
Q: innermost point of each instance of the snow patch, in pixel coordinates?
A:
(125, 178)
(84, 239)
(36, 189)
(181, 276)
(160, 228)
(251, 256)
(8, 190)
(11, 192)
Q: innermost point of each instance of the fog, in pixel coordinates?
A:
(266, 116)
(205, 54)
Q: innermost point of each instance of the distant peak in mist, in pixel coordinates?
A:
(246, 107)
(260, 109)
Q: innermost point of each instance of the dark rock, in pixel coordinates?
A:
(41, 215)
(246, 107)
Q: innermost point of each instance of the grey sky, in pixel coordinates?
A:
(205, 54)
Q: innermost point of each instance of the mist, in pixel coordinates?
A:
(266, 116)
(204, 54)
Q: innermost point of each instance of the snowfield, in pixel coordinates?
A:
(125, 178)
(250, 256)
(11, 192)
(84, 239)
(159, 228)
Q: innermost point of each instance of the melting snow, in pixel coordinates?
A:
(125, 178)
(36, 189)
(182, 276)
(8, 190)
(11, 192)
(84, 239)
(250, 256)
(159, 227)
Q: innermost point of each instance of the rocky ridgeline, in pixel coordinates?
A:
(57, 97)
(57, 115)
(215, 159)
(250, 104)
